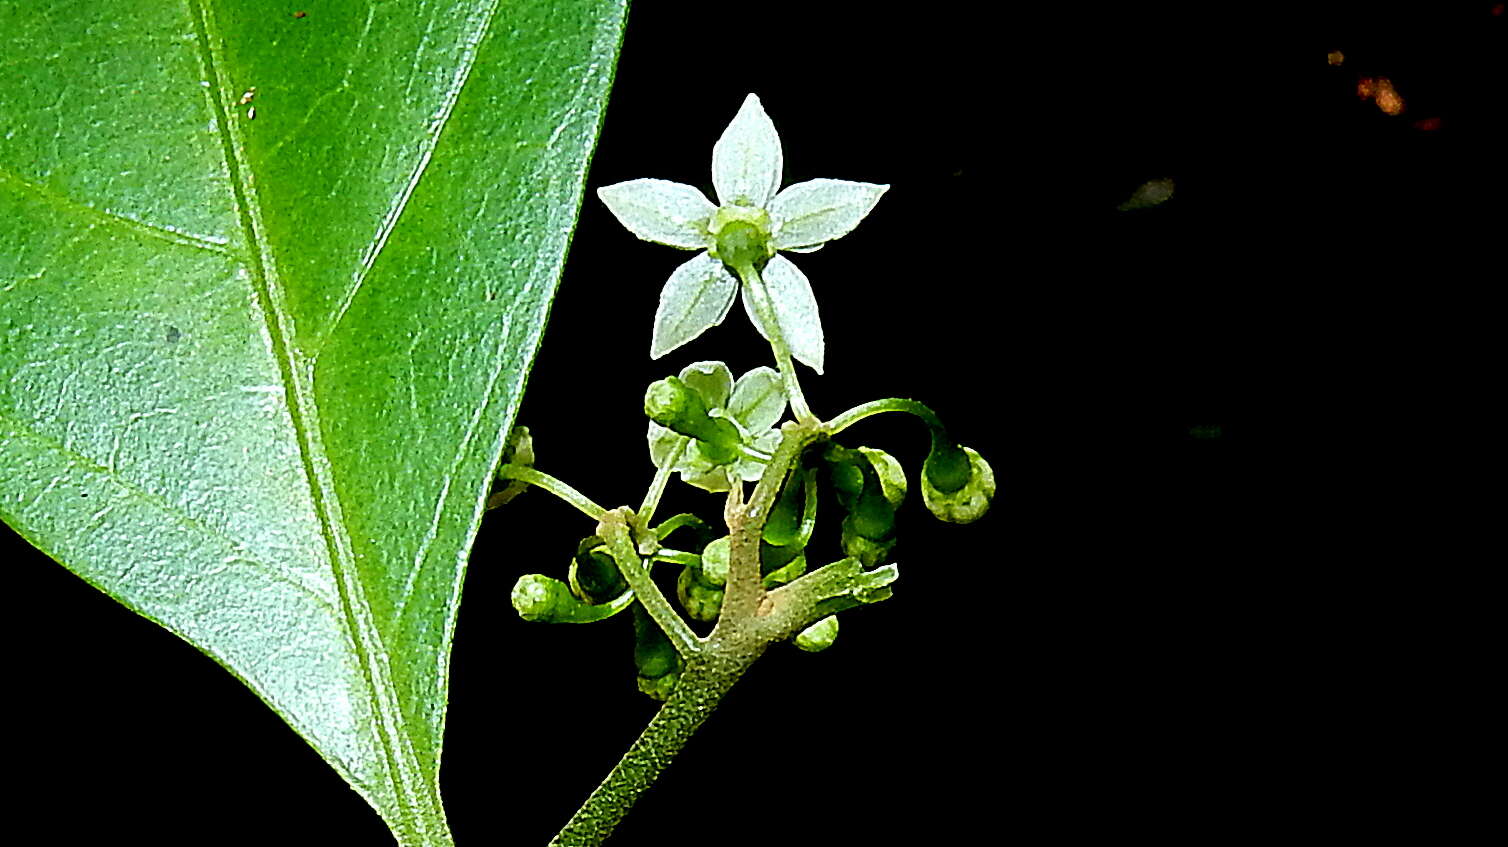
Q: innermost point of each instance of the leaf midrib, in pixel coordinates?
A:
(418, 813)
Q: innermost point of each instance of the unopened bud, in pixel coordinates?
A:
(701, 601)
(965, 502)
(673, 404)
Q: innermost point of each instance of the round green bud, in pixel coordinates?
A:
(947, 468)
(537, 597)
(660, 687)
(968, 502)
(593, 575)
(742, 236)
(673, 404)
(654, 655)
(869, 551)
(701, 601)
(819, 636)
(715, 561)
(669, 401)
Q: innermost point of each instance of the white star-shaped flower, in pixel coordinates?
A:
(741, 236)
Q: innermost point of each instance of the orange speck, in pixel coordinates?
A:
(1336, 57)
(1366, 88)
(1387, 98)
(301, 14)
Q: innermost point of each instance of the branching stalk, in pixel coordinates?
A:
(613, 529)
(712, 666)
(892, 404)
(554, 486)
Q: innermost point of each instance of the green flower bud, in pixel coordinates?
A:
(701, 601)
(660, 687)
(867, 550)
(715, 562)
(673, 404)
(819, 636)
(539, 598)
(964, 503)
(870, 485)
(655, 657)
(947, 468)
(594, 576)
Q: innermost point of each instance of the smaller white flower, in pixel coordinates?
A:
(754, 403)
(754, 221)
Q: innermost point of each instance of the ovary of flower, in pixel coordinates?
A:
(744, 234)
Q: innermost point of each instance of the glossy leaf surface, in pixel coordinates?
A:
(270, 284)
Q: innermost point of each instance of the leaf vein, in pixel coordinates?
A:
(480, 24)
(416, 815)
(119, 220)
(157, 501)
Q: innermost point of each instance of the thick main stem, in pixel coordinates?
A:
(702, 685)
(711, 666)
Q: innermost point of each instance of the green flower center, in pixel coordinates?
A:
(742, 236)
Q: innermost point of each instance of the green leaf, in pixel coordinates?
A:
(256, 367)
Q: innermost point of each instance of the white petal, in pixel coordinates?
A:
(746, 161)
(758, 400)
(819, 210)
(712, 380)
(696, 298)
(665, 443)
(795, 309)
(661, 211)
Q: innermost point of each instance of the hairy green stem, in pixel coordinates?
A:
(674, 523)
(554, 486)
(711, 666)
(656, 490)
(892, 404)
(678, 557)
(765, 309)
(701, 687)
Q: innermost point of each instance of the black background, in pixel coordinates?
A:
(1197, 638)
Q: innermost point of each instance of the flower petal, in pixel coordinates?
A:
(795, 309)
(746, 161)
(819, 210)
(661, 211)
(758, 400)
(696, 298)
(666, 446)
(712, 380)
